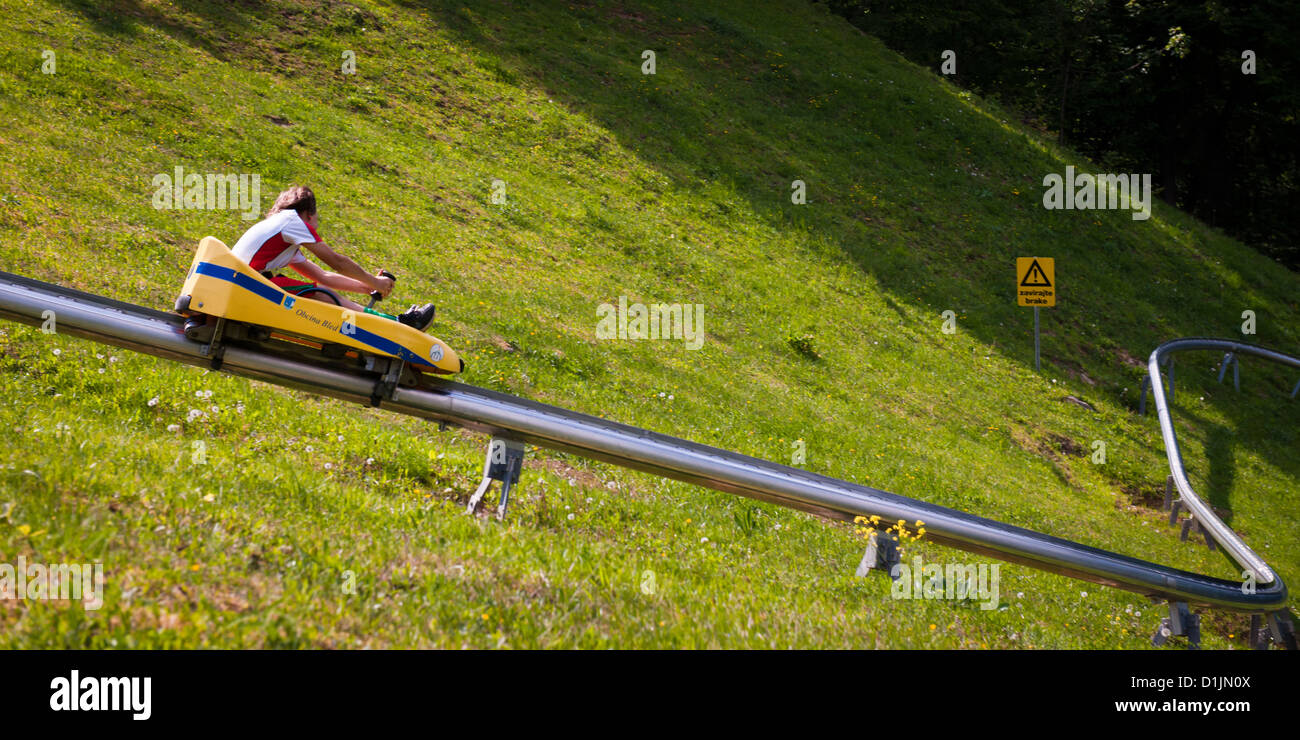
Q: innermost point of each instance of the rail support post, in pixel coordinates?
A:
(1259, 637)
(881, 555)
(505, 460)
(1170, 373)
(1231, 359)
(1282, 629)
(1274, 627)
(1181, 622)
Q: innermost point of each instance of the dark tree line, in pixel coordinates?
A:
(1140, 86)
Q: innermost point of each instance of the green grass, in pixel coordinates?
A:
(823, 325)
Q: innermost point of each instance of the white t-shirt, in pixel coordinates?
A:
(273, 242)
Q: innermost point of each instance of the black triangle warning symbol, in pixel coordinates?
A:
(1035, 277)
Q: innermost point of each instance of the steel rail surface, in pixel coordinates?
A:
(160, 334)
(1220, 532)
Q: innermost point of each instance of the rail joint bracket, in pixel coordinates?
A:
(385, 386)
(214, 350)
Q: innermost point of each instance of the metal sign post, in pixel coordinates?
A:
(1036, 286)
(1037, 365)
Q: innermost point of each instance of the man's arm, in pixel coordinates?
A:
(330, 280)
(347, 268)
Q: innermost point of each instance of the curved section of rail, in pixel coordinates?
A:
(158, 333)
(1233, 545)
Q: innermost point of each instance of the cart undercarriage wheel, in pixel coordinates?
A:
(198, 329)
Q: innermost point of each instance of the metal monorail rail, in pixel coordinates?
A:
(158, 333)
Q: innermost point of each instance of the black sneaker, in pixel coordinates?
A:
(418, 317)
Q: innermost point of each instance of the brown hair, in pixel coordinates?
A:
(298, 197)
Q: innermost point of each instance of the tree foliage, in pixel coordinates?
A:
(1153, 86)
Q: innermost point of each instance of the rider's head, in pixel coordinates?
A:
(298, 198)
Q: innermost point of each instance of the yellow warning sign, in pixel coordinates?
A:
(1035, 281)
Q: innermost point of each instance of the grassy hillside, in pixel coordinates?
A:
(673, 187)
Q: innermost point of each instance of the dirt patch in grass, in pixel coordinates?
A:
(1127, 359)
(584, 478)
(1066, 445)
(1048, 450)
(1075, 370)
(1145, 495)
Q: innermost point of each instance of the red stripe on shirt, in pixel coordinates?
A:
(269, 250)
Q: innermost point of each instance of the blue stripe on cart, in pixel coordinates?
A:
(276, 296)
